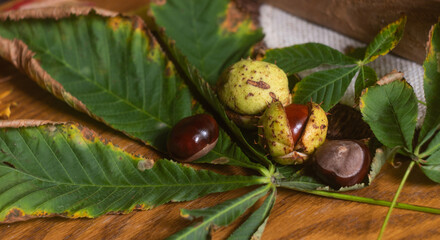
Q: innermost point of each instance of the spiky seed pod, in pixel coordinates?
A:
(248, 86)
(276, 130)
(293, 133)
(315, 131)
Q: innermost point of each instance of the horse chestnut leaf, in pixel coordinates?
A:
(342, 163)
(193, 137)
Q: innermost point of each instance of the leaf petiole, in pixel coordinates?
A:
(421, 102)
(427, 137)
(347, 197)
(393, 203)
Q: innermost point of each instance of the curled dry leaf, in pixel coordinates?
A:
(22, 57)
(27, 123)
(34, 4)
(391, 77)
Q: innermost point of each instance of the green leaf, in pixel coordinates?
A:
(434, 159)
(432, 81)
(432, 171)
(301, 57)
(324, 87)
(208, 33)
(144, 98)
(68, 170)
(367, 77)
(254, 226)
(294, 177)
(433, 146)
(220, 215)
(357, 53)
(209, 96)
(391, 112)
(293, 80)
(386, 40)
(227, 152)
(109, 67)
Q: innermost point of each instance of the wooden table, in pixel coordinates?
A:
(295, 215)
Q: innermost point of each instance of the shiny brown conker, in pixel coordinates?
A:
(192, 137)
(297, 115)
(342, 163)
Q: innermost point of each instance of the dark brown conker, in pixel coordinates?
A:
(192, 137)
(342, 163)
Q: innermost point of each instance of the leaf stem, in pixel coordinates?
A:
(370, 201)
(393, 203)
(421, 102)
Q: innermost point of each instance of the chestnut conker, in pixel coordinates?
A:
(192, 137)
(292, 133)
(342, 163)
(297, 115)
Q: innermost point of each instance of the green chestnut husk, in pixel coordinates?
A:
(249, 86)
(275, 133)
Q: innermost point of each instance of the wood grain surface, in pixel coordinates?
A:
(362, 20)
(295, 215)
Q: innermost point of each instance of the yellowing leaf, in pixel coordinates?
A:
(386, 40)
(68, 170)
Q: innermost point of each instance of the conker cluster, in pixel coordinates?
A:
(256, 93)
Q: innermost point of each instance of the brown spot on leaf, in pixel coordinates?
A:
(145, 164)
(259, 84)
(139, 207)
(114, 22)
(222, 160)
(137, 23)
(51, 128)
(250, 6)
(234, 17)
(87, 133)
(13, 214)
(9, 164)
